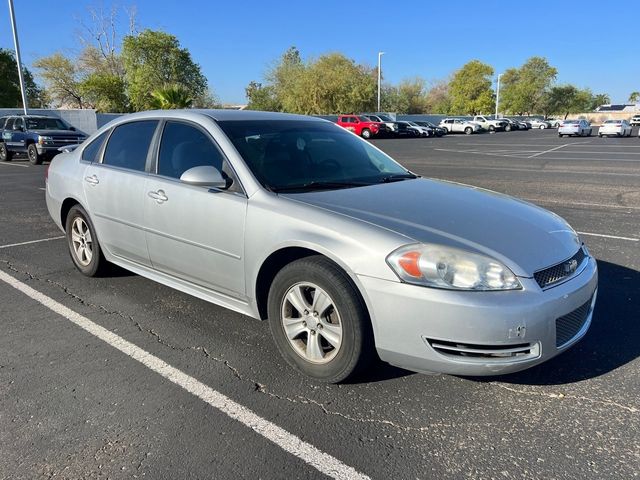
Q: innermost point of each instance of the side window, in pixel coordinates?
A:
(183, 147)
(18, 123)
(90, 152)
(129, 144)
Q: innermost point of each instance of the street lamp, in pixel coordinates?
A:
(18, 61)
(379, 76)
(498, 95)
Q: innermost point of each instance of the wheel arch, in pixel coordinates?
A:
(284, 255)
(66, 206)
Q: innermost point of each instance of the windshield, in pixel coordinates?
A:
(46, 124)
(367, 119)
(290, 155)
(612, 121)
(385, 118)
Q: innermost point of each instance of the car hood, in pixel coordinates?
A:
(524, 237)
(60, 133)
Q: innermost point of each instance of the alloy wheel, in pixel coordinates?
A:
(81, 241)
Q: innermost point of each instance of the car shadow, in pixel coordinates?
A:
(612, 341)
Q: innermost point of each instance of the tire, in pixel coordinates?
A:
(366, 133)
(5, 154)
(34, 157)
(344, 311)
(492, 128)
(446, 130)
(78, 222)
(560, 135)
(468, 131)
(542, 127)
(507, 128)
(600, 135)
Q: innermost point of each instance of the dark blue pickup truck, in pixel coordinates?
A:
(39, 136)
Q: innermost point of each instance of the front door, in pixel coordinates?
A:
(195, 233)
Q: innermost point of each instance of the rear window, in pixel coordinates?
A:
(128, 145)
(90, 152)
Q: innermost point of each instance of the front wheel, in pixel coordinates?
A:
(5, 154)
(468, 131)
(507, 128)
(492, 128)
(34, 157)
(366, 133)
(319, 321)
(83, 244)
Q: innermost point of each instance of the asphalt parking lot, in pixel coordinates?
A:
(73, 406)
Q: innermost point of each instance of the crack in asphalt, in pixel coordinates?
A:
(562, 396)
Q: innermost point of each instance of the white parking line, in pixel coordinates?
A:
(31, 241)
(11, 164)
(578, 204)
(550, 150)
(314, 457)
(629, 239)
(601, 153)
(528, 170)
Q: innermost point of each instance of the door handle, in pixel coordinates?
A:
(158, 196)
(93, 180)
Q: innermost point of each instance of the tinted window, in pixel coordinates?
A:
(283, 154)
(46, 123)
(183, 147)
(18, 123)
(129, 144)
(90, 152)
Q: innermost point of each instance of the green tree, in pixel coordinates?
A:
(524, 90)
(171, 97)
(408, 97)
(262, 97)
(600, 99)
(634, 97)
(10, 95)
(105, 92)
(62, 78)
(155, 59)
(438, 99)
(566, 99)
(470, 89)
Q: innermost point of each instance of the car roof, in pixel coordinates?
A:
(222, 115)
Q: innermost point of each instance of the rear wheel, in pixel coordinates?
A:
(83, 244)
(5, 154)
(34, 157)
(542, 127)
(507, 128)
(319, 321)
(366, 133)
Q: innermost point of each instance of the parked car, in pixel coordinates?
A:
(575, 127)
(384, 119)
(489, 124)
(635, 120)
(621, 128)
(541, 124)
(511, 124)
(438, 131)
(524, 125)
(345, 252)
(459, 125)
(405, 129)
(424, 131)
(38, 136)
(359, 124)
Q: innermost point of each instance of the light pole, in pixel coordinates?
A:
(18, 61)
(379, 76)
(498, 95)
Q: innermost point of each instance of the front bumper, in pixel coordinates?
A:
(411, 323)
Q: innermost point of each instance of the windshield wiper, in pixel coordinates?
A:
(397, 177)
(319, 186)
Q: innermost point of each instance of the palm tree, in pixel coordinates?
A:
(171, 96)
(634, 97)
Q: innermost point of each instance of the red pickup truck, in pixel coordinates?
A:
(359, 125)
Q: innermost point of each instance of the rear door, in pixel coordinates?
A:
(17, 135)
(114, 188)
(195, 233)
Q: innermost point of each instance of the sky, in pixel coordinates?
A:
(236, 41)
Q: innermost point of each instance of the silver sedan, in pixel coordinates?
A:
(347, 254)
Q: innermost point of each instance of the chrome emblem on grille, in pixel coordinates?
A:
(570, 266)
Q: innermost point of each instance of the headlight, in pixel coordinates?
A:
(42, 139)
(446, 267)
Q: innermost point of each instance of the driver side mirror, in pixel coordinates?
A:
(72, 128)
(204, 176)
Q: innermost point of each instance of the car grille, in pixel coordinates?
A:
(485, 353)
(66, 140)
(563, 270)
(569, 325)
